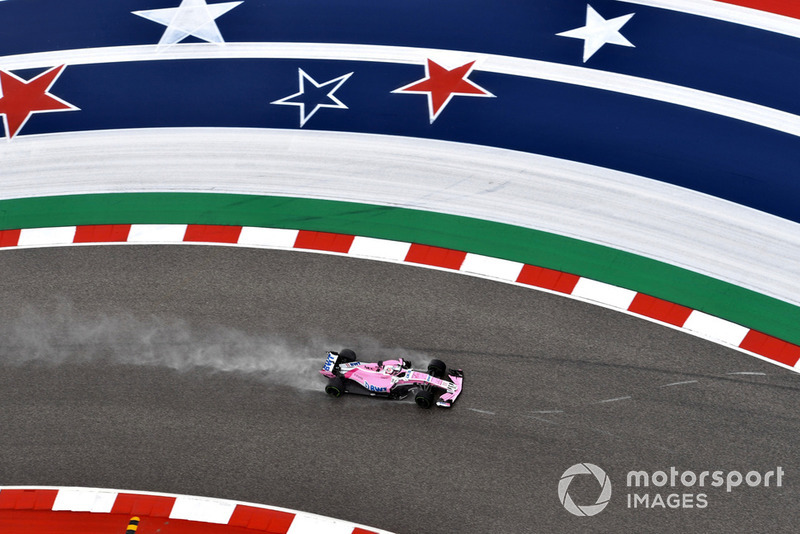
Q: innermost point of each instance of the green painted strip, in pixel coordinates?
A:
(742, 306)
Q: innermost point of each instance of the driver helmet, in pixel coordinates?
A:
(392, 367)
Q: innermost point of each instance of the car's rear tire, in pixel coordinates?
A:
(424, 398)
(437, 369)
(335, 387)
(346, 356)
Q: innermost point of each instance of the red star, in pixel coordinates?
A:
(441, 85)
(21, 98)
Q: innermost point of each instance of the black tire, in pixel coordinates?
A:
(346, 356)
(335, 387)
(424, 398)
(437, 369)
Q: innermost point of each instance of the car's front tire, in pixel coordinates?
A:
(424, 398)
(335, 387)
(437, 369)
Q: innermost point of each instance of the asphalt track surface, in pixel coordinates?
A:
(82, 406)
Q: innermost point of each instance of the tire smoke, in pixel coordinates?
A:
(63, 336)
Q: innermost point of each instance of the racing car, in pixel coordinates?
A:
(392, 379)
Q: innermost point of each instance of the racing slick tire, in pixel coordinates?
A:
(424, 398)
(346, 356)
(335, 387)
(437, 369)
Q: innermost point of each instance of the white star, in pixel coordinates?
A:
(192, 17)
(599, 31)
(337, 104)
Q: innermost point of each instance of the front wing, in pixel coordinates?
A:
(447, 399)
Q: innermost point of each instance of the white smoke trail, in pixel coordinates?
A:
(63, 336)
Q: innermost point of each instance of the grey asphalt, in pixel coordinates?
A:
(191, 370)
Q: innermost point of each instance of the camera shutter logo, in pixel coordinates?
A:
(584, 469)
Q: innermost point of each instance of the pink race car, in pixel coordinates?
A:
(392, 379)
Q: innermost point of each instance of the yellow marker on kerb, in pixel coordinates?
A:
(133, 524)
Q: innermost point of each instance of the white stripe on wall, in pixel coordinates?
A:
(745, 16)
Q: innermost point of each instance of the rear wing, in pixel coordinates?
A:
(330, 364)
